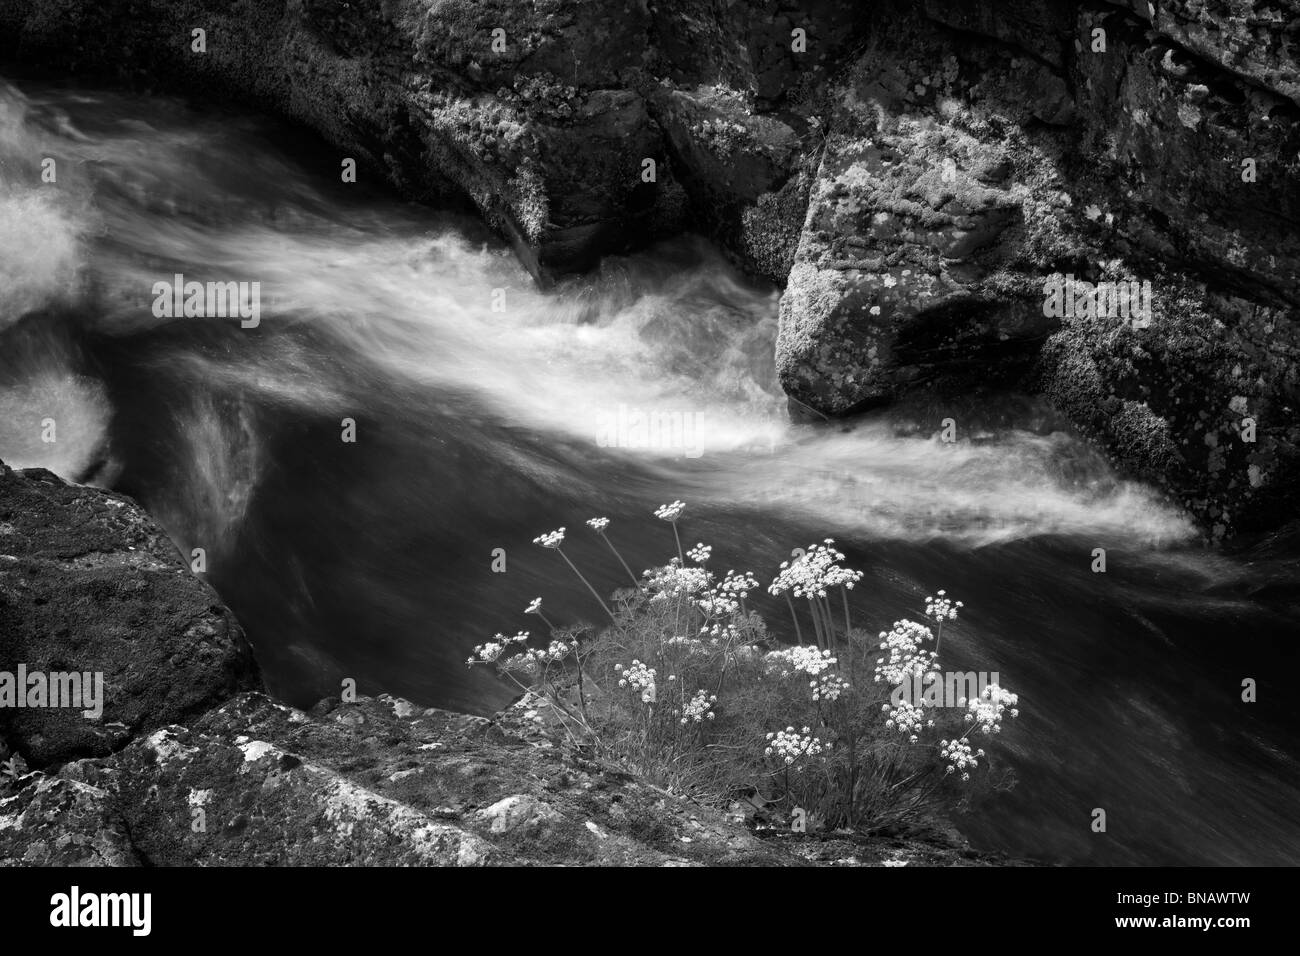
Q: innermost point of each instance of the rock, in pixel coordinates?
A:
(958, 178)
(545, 137)
(251, 783)
(65, 823)
(90, 584)
(517, 812)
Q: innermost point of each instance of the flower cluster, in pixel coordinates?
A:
(534, 659)
(552, 539)
(906, 718)
(638, 677)
(598, 525)
(699, 708)
(724, 597)
(534, 606)
(940, 608)
(906, 658)
(700, 553)
(790, 745)
(715, 604)
(672, 581)
(670, 512)
(811, 575)
(800, 660)
(738, 585)
(490, 652)
(986, 710)
(828, 687)
(959, 756)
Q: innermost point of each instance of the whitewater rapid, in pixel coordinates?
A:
(400, 301)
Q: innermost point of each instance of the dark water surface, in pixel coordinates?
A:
(477, 429)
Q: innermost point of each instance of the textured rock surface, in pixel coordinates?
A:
(257, 783)
(959, 176)
(914, 174)
(89, 583)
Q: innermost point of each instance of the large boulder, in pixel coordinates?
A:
(960, 180)
(90, 585)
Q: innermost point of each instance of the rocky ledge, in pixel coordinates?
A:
(190, 764)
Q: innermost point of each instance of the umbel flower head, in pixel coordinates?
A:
(534, 606)
(598, 525)
(491, 652)
(906, 658)
(811, 575)
(959, 756)
(638, 677)
(552, 539)
(987, 710)
(790, 746)
(941, 608)
(800, 660)
(670, 512)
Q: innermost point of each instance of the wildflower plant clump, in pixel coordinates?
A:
(688, 686)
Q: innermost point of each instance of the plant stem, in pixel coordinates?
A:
(795, 617)
(588, 583)
(635, 583)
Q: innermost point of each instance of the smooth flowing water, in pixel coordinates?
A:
(480, 405)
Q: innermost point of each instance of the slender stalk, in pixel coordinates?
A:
(582, 694)
(680, 556)
(830, 624)
(588, 583)
(635, 582)
(844, 593)
(795, 617)
(817, 626)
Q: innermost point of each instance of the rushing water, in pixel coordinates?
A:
(479, 428)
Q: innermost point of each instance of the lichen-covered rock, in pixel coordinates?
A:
(376, 782)
(927, 227)
(958, 179)
(531, 112)
(90, 584)
(381, 782)
(54, 821)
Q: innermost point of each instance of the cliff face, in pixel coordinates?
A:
(189, 764)
(913, 171)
